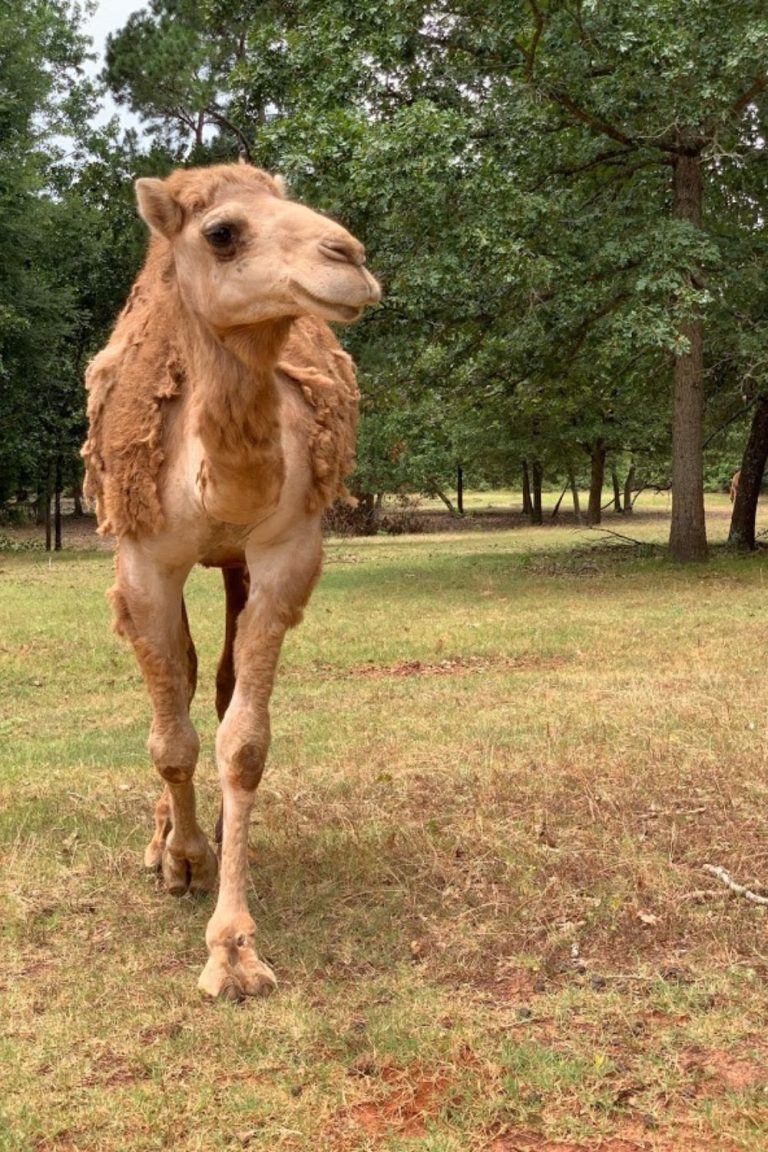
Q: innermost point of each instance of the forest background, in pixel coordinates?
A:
(565, 202)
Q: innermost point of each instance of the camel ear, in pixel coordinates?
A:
(158, 208)
(281, 186)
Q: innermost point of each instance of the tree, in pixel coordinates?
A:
(638, 88)
(171, 64)
(68, 238)
(559, 197)
(44, 99)
(742, 531)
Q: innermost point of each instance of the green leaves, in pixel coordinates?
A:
(510, 168)
(63, 240)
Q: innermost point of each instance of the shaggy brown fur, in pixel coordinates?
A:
(325, 373)
(131, 386)
(130, 405)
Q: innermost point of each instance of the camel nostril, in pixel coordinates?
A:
(374, 288)
(343, 251)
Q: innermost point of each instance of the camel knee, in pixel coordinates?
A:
(241, 751)
(174, 750)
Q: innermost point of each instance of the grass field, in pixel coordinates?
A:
(499, 763)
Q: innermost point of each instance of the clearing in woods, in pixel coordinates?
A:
(500, 761)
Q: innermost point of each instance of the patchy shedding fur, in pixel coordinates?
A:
(132, 384)
(130, 402)
(314, 360)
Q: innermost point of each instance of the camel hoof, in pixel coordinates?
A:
(187, 873)
(153, 854)
(175, 873)
(247, 976)
(204, 872)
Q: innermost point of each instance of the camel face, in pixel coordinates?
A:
(251, 256)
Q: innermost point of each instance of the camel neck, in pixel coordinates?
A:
(236, 411)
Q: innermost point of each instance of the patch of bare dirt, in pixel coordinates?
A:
(456, 666)
(633, 1137)
(735, 1075)
(523, 1142)
(715, 1069)
(410, 1097)
(111, 1070)
(501, 519)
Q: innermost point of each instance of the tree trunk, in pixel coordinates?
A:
(628, 485)
(59, 484)
(560, 499)
(616, 490)
(460, 489)
(575, 496)
(43, 495)
(597, 476)
(688, 534)
(742, 533)
(537, 479)
(527, 504)
(363, 518)
(47, 505)
(75, 479)
(445, 499)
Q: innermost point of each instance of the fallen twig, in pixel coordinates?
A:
(725, 878)
(654, 813)
(618, 535)
(702, 894)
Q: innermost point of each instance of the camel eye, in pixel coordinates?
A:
(222, 237)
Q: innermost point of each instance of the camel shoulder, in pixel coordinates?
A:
(131, 385)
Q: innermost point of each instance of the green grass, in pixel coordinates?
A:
(499, 762)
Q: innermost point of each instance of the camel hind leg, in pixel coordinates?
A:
(153, 856)
(236, 592)
(153, 853)
(149, 611)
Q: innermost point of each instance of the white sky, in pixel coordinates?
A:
(108, 17)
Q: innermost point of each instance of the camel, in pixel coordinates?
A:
(735, 481)
(222, 416)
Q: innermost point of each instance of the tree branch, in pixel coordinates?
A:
(755, 88)
(612, 155)
(731, 420)
(595, 123)
(221, 119)
(530, 55)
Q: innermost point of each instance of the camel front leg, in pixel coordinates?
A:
(282, 578)
(149, 611)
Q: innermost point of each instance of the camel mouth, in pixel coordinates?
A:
(347, 313)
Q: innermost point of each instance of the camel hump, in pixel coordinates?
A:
(314, 361)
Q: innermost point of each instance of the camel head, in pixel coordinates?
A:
(243, 253)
